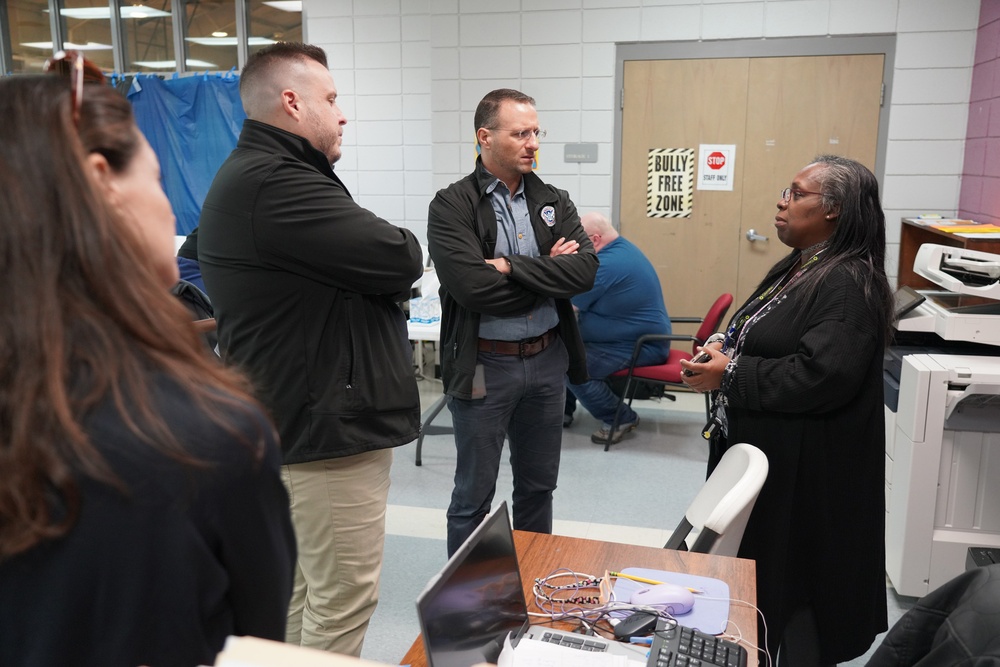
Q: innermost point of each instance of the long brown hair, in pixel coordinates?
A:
(84, 318)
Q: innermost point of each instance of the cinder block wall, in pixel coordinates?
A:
(410, 73)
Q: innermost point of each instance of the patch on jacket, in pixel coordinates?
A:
(549, 215)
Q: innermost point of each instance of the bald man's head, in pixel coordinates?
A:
(599, 229)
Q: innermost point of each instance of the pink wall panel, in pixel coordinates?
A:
(980, 196)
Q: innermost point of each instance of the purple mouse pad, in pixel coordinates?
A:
(710, 612)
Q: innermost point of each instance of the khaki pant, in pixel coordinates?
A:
(338, 510)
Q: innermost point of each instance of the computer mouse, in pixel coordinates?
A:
(673, 599)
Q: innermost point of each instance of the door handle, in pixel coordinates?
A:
(753, 236)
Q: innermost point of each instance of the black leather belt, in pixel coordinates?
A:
(528, 347)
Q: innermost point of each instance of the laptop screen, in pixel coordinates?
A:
(468, 609)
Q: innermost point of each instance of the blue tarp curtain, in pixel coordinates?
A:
(192, 123)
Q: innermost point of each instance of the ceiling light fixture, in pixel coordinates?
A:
(228, 41)
(285, 5)
(172, 64)
(70, 46)
(126, 11)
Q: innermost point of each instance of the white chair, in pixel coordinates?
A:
(715, 520)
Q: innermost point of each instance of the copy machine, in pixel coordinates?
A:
(942, 465)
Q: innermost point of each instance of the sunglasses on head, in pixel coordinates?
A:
(79, 70)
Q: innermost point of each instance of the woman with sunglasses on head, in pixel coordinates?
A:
(798, 374)
(142, 515)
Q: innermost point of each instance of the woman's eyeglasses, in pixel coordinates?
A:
(787, 193)
(80, 71)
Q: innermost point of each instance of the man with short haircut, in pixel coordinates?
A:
(305, 284)
(625, 303)
(510, 252)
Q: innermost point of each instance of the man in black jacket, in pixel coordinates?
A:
(305, 285)
(510, 252)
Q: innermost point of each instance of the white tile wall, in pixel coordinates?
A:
(331, 30)
(598, 93)
(340, 57)
(928, 121)
(561, 60)
(878, 16)
(378, 56)
(416, 27)
(490, 62)
(925, 157)
(378, 81)
(444, 63)
(797, 18)
(378, 107)
(416, 80)
(553, 94)
(560, 27)
(732, 21)
(446, 54)
(931, 50)
(377, 29)
(598, 59)
(489, 29)
(934, 15)
(416, 107)
(385, 184)
(611, 25)
(378, 158)
(377, 7)
(326, 8)
(932, 86)
(671, 23)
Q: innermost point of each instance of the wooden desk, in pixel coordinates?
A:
(912, 235)
(541, 554)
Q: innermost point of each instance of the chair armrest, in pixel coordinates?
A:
(652, 338)
(687, 320)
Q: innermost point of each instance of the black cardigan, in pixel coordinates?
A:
(808, 392)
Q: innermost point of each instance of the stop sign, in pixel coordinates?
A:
(716, 160)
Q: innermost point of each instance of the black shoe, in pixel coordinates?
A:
(567, 420)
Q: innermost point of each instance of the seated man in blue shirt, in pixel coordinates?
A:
(625, 303)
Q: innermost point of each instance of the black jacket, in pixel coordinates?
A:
(462, 232)
(956, 624)
(305, 285)
(160, 571)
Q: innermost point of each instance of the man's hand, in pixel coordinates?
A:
(561, 247)
(501, 264)
(564, 247)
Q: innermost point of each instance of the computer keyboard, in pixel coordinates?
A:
(683, 647)
(574, 641)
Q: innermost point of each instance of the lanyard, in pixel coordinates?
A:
(756, 309)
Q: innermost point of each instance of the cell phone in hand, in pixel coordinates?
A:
(700, 359)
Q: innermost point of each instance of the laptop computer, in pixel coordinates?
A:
(468, 609)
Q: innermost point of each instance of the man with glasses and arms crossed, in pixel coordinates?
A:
(305, 285)
(510, 252)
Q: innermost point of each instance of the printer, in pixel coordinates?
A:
(942, 454)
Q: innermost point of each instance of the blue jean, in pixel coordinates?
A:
(595, 394)
(524, 403)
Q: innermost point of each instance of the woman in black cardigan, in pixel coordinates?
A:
(799, 375)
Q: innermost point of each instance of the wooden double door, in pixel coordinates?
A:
(779, 112)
